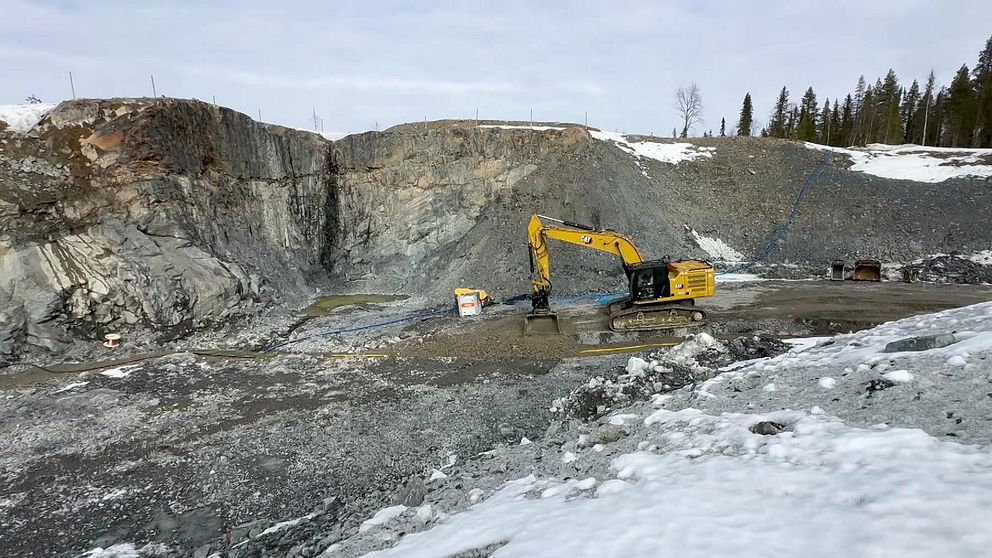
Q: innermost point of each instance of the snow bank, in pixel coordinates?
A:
(672, 153)
(914, 162)
(21, 118)
(712, 488)
(716, 248)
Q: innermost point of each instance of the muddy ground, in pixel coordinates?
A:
(198, 452)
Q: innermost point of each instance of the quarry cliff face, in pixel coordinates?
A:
(167, 215)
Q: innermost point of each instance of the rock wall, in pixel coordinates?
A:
(170, 214)
(167, 214)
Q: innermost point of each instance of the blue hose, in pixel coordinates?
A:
(770, 247)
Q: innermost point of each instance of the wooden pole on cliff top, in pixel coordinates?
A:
(154, 93)
(72, 87)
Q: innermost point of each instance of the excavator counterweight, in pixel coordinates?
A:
(662, 292)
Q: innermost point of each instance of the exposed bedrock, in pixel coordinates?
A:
(171, 214)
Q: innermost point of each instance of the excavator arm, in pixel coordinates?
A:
(542, 228)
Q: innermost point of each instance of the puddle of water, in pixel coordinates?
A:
(327, 304)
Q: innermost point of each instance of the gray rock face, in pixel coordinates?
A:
(159, 214)
(922, 343)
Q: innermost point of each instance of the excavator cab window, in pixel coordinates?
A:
(650, 283)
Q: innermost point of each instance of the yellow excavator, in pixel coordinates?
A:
(662, 292)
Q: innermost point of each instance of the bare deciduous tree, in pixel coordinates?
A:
(689, 103)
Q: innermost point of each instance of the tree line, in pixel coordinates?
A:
(959, 115)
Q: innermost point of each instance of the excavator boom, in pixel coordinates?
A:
(662, 293)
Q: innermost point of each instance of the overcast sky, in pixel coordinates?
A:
(369, 62)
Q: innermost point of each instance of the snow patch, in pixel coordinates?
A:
(914, 162)
(126, 550)
(120, 372)
(827, 383)
(716, 248)
(381, 517)
(21, 118)
(956, 360)
(898, 376)
(73, 385)
(285, 524)
(672, 153)
(437, 475)
(525, 127)
(738, 278)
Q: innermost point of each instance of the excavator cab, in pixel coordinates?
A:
(649, 281)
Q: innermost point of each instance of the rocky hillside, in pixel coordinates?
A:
(170, 214)
(165, 214)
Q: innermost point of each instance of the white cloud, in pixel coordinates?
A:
(394, 62)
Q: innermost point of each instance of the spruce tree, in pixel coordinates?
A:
(723, 127)
(937, 126)
(890, 123)
(846, 122)
(910, 105)
(961, 110)
(746, 119)
(983, 86)
(860, 114)
(806, 126)
(824, 131)
(778, 123)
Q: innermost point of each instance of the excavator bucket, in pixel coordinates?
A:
(867, 270)
(542, 324)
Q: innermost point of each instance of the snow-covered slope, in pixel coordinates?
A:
(914, 162)
(706, 486)
(21, 118)
(698, 473)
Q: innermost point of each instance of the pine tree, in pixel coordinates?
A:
(778, 123)
(983, 87)
(723, 127)
(961, 110)
(746, 119)
(806, 127)
(673, 133)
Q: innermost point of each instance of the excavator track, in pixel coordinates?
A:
(668, 316)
